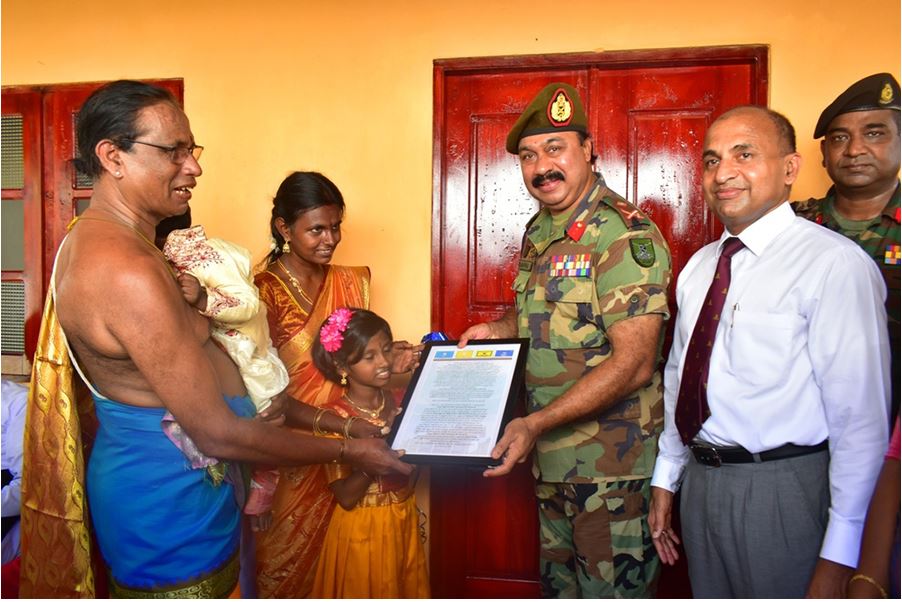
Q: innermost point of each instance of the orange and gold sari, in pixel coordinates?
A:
(303, 503)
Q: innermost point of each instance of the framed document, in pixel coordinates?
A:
(459, 401)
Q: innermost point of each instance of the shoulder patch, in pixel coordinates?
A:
(643, 251)
(629, 213)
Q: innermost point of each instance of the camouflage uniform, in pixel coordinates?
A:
(578, 275)
(879, 239)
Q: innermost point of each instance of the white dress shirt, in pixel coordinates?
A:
(14, 401)
(801, 355)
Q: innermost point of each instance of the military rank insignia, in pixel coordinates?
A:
(570, 265)
(893, 255)
(576, 230)
(643, 251)
(560, 108)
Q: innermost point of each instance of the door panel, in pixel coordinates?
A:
(22, 282)
(648, 112)
(665, 150)
(477, 528)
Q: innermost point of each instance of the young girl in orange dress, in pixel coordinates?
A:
(372, 547)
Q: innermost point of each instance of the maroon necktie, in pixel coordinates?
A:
(692, 402)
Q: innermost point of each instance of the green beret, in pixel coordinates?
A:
(878, 91)
(557, 108)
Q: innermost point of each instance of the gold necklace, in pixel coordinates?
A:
(115, 220)
(374, 413)
(294, 282)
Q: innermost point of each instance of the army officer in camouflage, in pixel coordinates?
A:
(591, 296)
(860, 148)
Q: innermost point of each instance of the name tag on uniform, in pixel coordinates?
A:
(570, 265)
(893, 255)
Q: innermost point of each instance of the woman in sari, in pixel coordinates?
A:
(300, 289)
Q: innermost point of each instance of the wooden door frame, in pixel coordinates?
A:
(755, 55)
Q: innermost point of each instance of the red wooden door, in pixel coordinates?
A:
(648, 112)
(21, 193)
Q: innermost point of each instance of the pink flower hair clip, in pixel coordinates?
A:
(331, 334)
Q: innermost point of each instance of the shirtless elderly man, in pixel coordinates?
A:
(164, 530)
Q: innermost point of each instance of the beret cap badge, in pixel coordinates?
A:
(886, 94)
(560, 108)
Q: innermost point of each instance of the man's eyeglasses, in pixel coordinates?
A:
(178, 153)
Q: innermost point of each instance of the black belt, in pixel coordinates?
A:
(715, 456)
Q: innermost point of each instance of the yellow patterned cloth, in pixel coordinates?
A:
(221, 583)
(56, 541)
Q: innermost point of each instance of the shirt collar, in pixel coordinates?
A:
(890, 211)
(758, 235)
(576, 225)
(542, 230)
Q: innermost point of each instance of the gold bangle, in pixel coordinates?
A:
(866, 579)
(319, 415)
(347, 428)
(341, 452)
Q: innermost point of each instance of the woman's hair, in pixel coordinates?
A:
(362, 327)
(300, 192)
(111, 112)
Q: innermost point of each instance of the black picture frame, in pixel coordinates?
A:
(514, 394)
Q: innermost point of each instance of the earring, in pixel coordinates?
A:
(118, 174)
(285, 248)
(344, 379)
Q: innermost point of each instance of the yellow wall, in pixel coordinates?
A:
(346, 88)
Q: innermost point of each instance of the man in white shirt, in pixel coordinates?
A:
(799, 363)
(14, 399)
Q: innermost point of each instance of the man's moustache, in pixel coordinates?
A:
(548, 177)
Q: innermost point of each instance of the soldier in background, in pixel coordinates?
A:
(860, 149)
(591, 295)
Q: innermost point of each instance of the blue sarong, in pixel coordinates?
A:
(160, 524)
